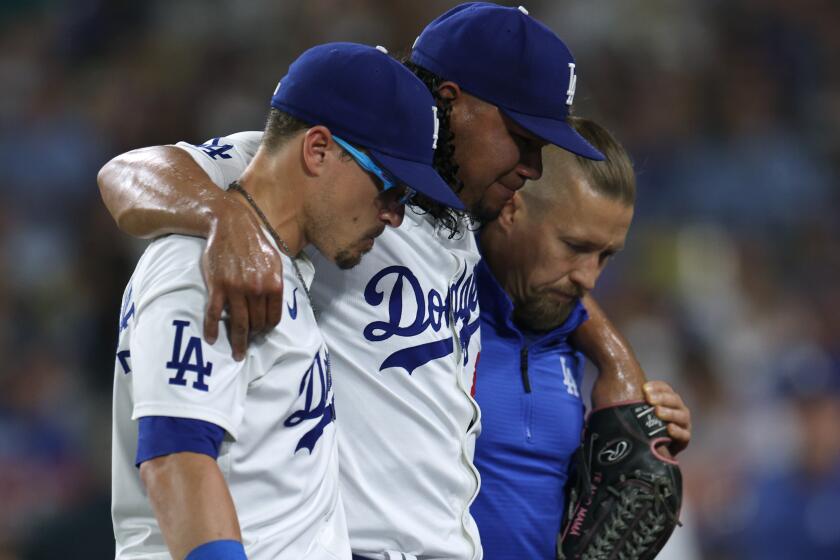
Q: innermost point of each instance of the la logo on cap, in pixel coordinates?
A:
(570, 93)
(437, 127)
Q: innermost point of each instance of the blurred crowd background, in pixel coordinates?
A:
(729, 288)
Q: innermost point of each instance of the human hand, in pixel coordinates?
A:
(244, 274)
(671, 409)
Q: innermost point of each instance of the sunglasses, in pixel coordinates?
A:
(364, 161)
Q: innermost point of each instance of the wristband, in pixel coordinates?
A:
(218, 550)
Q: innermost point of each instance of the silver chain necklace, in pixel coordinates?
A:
(235, 186)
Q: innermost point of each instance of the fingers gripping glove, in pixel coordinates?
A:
(624, 498)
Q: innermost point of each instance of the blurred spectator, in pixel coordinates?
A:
(43, 466)
(800, 500)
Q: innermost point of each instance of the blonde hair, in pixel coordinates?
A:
(613, 177)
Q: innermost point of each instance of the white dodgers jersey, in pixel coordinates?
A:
(403, 332)
(279, 456)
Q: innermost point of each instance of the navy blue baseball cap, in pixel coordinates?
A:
(372, 101)
(505, 57)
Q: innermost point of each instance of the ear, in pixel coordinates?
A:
(512, 212)
(316, 144)
(449, 90)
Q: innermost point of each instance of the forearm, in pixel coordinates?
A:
(191, 501)
(159, 190)
(620, 377)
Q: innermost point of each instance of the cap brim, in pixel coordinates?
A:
(557, 132)
(420, 177)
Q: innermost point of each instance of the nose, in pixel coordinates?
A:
(392, 212)
(586, 273)
(530, 164)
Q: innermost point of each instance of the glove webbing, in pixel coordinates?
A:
(645, 510)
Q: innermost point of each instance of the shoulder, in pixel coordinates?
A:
(224, 158)
(170, 263)
(247, 142)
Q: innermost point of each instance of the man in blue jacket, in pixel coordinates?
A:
(542, 255)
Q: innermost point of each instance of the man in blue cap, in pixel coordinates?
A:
(241, 458)
(403, 326)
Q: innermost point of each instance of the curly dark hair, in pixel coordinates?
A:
(444, 158)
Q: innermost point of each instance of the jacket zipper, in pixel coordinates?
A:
(523, 368)
(526, 382)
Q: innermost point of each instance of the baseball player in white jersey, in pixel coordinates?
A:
(403, 327)
(402, 330)
(240, 458)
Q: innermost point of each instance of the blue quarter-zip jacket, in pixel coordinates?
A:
(532, 416)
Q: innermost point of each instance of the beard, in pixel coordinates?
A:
(349, 257)
(542, 312)
(482, 213)
(485, 210)
(346, 259)
(490, 202)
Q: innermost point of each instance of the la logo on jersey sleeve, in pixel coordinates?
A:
(215, 150)
(188, 359)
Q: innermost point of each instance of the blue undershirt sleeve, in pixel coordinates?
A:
(218, 550)
(164, 435)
